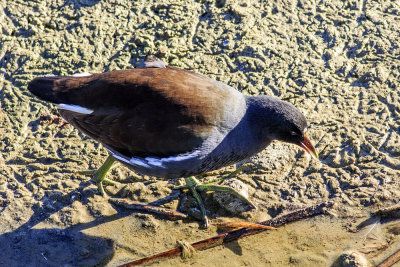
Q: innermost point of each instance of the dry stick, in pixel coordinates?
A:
(236, 234)
(395, 257)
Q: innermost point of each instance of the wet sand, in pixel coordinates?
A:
(337, 61)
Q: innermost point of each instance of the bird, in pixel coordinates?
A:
(167, 122)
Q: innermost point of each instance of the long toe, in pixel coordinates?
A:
(99, 175)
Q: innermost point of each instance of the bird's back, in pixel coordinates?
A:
(145, 111)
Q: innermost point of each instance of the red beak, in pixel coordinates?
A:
(308, 147)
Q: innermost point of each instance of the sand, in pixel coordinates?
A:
(337, 61)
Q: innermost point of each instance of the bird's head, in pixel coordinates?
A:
(282, 121)
(290, 133)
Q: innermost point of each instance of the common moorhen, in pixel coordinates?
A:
(168, 122)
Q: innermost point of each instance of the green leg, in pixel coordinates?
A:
(99, 175)
(194, 186)
(192, 183)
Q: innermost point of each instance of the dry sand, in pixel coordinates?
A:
(337, 61)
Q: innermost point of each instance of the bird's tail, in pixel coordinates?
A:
(43, 88)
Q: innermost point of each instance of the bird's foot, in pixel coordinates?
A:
(99, 175)
(195, 186)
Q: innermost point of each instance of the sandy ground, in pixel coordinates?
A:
(337, 61)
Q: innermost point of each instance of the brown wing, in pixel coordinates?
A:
(148, 111)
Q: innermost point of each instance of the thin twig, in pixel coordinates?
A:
(236, 225)
(236, 234)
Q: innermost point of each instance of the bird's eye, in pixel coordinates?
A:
(293, 133)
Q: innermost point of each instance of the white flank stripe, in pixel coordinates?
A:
(124, 159)
(75, 108)
(83, 74)
(182, 157)
(150, 162)
(155, 162)
(139, 162)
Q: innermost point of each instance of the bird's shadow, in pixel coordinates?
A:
(30, 245)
